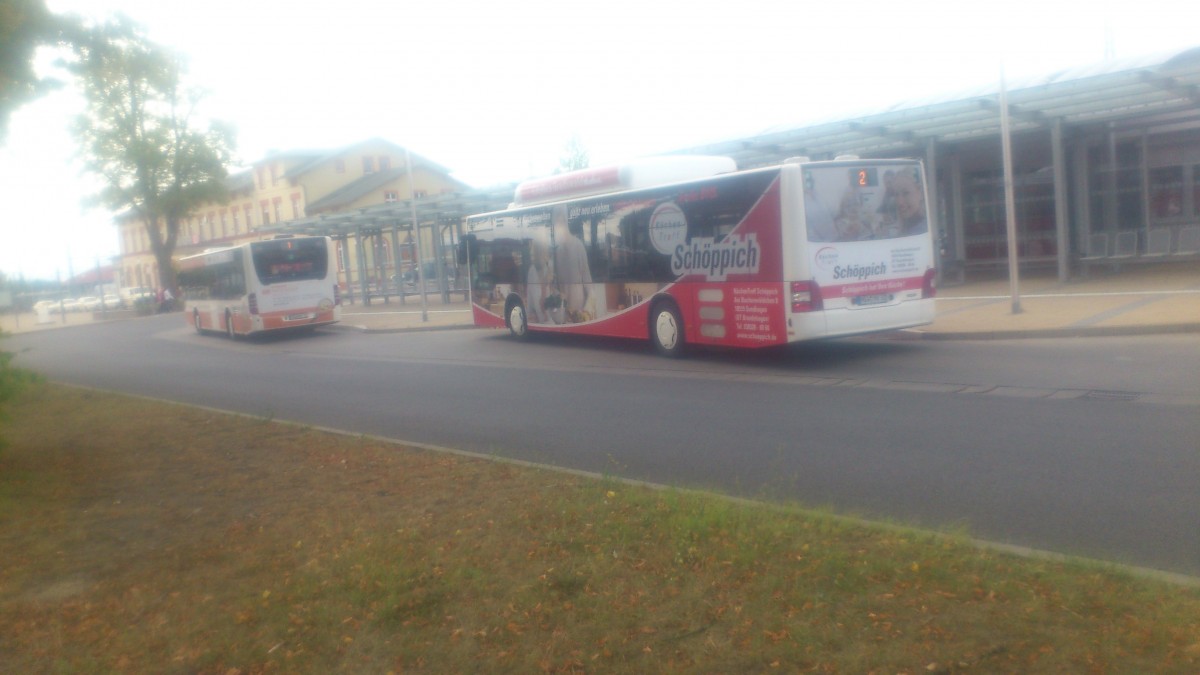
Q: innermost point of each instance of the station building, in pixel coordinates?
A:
(1106, 170)
(1106, 163)
(289, 186)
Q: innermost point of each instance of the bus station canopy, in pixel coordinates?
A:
(1163, 89)
(1109, 96)
(443, 209)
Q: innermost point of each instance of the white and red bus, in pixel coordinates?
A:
(751, 258)
(277, 284)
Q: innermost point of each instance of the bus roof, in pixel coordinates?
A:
(631, 175)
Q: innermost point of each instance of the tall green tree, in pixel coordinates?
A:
(26, 25)
(140, 135)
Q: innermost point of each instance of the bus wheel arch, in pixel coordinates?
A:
(515, 317)
(666, 327)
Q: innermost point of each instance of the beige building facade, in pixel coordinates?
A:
(292, 185)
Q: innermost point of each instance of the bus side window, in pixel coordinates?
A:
(467, 249)
(596, 242)
(645, 264)
(504, 266)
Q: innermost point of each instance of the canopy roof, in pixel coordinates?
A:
(436, 209)
(1165, 88)
(1150, 90)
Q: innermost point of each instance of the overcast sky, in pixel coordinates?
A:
(494, 90)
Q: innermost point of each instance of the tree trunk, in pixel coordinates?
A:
(166, 270)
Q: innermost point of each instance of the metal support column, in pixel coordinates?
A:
(396, 257)
(346, 266)
(1061, 215)
(362, 269)
(932, 214)
(1009, 200)
(956, 199)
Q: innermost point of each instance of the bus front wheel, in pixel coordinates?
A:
(666, 330)
(518, 324)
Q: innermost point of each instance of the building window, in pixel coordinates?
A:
(266, 213)
(224, 224)
(391, 196)
(340, 166)
(1166, 192)
(237, 225)
(385, 163)
(420, 194)
(249, 217)
(296, 207)
(1115, 196)
(368, 165)
(278, 211)
(274, 176)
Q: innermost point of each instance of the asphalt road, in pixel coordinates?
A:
(1087, 446)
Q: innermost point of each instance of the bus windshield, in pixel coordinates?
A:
(283, 260)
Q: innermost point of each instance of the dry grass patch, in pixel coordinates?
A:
(146, 537)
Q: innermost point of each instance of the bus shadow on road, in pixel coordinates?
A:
(276, 337)
(810, 356)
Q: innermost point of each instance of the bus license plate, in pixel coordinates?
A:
(862, 300)
(297, 317)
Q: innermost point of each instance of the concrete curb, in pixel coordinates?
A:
(1036, 333)
(910, 334)
(366, 330)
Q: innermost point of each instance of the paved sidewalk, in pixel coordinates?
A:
(1134, 300)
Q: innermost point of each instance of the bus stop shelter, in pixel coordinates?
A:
(370, 239)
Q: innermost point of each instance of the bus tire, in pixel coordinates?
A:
(196, 321)
(666, 329)
(517, 320)
(229, 325)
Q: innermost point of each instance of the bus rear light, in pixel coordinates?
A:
(929, 284)
(806, 296)
(252, 301)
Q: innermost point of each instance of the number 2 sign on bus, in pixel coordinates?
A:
(688, 250)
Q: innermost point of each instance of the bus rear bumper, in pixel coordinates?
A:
(844, 322)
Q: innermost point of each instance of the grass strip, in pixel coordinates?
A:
(139, 536)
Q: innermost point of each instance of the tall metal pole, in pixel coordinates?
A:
(1061, 217)
(412, 204)
(1009, 198)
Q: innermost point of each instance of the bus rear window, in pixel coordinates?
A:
(856, 203)
(289, 260)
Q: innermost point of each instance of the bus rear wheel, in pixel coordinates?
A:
(666, 330)
(518, 324)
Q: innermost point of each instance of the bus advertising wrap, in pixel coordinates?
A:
(867, 230)
(712, 249)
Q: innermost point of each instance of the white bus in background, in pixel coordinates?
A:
(278, 284)
(751, 258)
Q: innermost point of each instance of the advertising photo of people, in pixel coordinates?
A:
(868, 206)
(904, 203)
